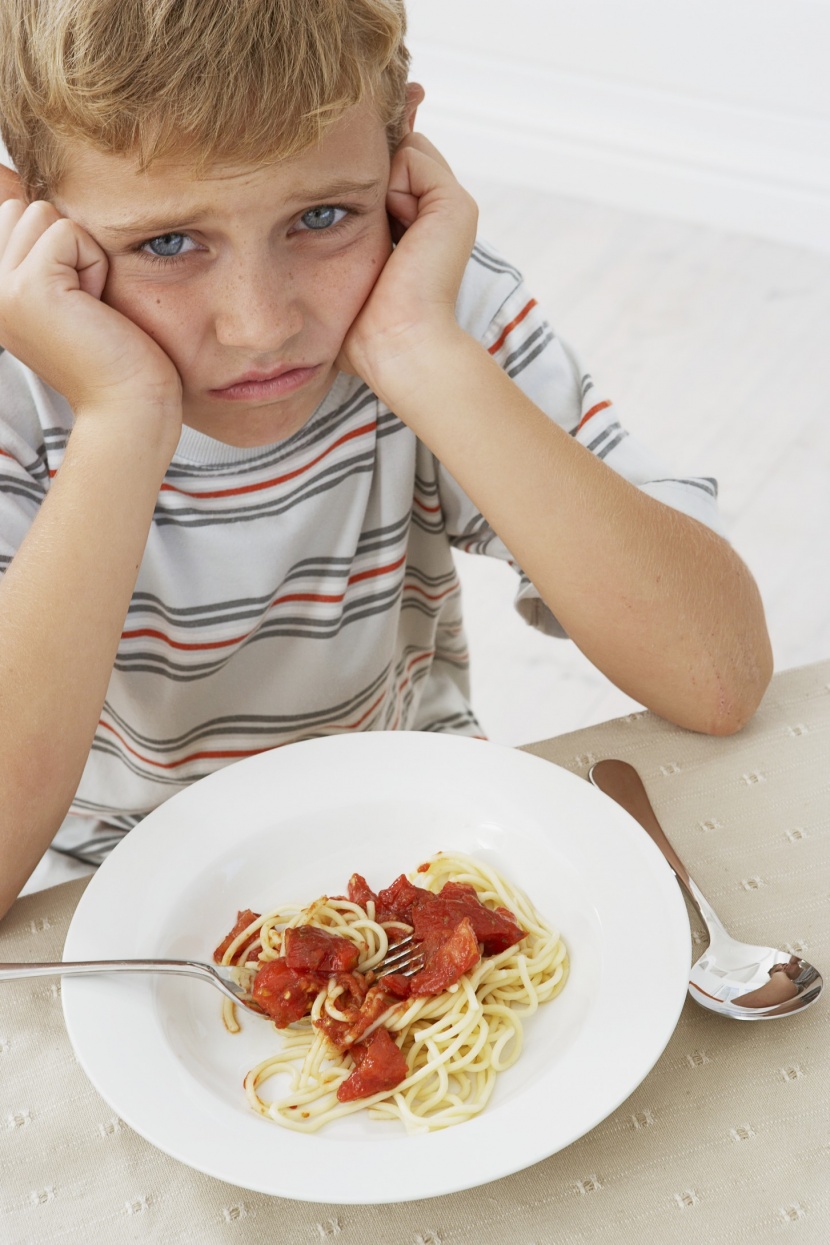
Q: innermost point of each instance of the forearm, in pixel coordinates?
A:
(659, 603)
(63, 602)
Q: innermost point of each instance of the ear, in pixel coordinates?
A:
(414, 97)
(10, 184)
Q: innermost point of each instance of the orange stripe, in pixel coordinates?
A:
(154, 634)
(430, 596)
(423, 506)
(402, 686)
(290, 475)
(510, 327)
(380, 570)
(229, 754)
(196, 756)
(600, 406)
(353, 726)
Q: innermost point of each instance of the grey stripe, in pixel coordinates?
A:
(606, 449)
(431, 526)
(526, 344)
(148, 772)
(453, 719)
(298, 627)
(12, 486)
(104, 813)
(36, 467)
(272, 456)
(424, 607)
(706, 483)
(197, 505)
(432, 581)
(256, 724)
(236, 611)
(202, 616)
(613, 427)
(487, 259)
(56, 436)
(94, 856)
(195, 517)
(520, 367)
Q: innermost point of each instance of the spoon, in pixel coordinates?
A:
(732, 978)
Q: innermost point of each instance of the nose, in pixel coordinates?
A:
(256, 306)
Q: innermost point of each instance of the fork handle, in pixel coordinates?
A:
(72, 968)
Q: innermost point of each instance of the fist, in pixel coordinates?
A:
(433, 222)
(52, 274)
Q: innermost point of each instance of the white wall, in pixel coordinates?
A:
(714, 111)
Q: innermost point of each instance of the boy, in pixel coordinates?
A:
(240, 431)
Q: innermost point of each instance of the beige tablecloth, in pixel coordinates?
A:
(727, 1140)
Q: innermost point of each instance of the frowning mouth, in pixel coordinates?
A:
(266, 384)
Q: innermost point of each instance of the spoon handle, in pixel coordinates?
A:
(623, 784)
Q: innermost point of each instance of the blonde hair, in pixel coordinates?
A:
(210, 81)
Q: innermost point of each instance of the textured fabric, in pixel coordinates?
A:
(304, 588)
(724, 1143)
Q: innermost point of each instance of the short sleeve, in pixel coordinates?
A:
(24, 468)
(496, 307)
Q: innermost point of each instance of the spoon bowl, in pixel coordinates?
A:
(735, 979)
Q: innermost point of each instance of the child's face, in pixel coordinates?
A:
(249, 279)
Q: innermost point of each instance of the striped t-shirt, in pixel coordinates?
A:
(308, 587)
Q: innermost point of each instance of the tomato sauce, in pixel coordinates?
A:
(452, 930)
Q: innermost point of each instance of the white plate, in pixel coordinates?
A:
(292, 824)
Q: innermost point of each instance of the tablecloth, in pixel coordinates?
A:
(727, 1140)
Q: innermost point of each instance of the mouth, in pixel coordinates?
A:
(271, 384)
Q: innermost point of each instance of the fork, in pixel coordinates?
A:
(223, 977)
(402, 957)
(405, 957)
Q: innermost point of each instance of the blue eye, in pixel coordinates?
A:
(323, 217)
(166, 245)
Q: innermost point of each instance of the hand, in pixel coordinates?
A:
(413, 301)
(52, 275)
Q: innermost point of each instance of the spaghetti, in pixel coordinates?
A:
(453, 1043)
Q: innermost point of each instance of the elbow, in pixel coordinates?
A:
(736, 696)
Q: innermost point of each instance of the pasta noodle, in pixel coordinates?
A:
(454, 1043)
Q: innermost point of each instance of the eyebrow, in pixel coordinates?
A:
(157, 224)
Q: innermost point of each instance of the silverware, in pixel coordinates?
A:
(405, 958)
(732, 978)
(402, 957)
(226, 979)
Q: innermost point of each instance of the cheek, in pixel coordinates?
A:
(344, 283)
(165, 315)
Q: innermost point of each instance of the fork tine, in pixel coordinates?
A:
(404, 957)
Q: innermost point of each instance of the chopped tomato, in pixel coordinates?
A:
(310, 949)
(360, 891)
(395, 902)
(496, 929)
(448, 955)
(344, 1033)
(397, 984)
(243, 920)
(283, 993)
(379, 1066)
